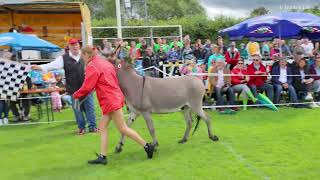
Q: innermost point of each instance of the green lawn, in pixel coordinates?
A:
(254, 144)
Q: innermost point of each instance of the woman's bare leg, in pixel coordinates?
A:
(119, 121)
(103, 127)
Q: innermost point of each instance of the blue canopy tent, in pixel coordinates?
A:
(283, 25)
(18, 42)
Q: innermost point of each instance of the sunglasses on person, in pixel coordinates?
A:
(240, 63)
(255, 59)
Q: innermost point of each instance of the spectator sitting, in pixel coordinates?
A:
(162, 58)
(302, 82)
(106, 48)
(148, 61)
(222, 84)
(198, 52)
(134, 52)
(275, 51)
(285, 48)
(156, 46)
(4, 109)
(187, 52)
(143, 47)
(165, 46)
(239, 81)
(177, 42)
(308, 47)
(258, 77)
(243, 51)
(282, 80)
(298, 49)
(253, 48)
(265, 49)
(223, 48)
(175, 53)
(215, 55)
(23, 105)
(315, 71)
(190, 67)
(232, 55)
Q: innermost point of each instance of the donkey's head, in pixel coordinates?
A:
(122, 61)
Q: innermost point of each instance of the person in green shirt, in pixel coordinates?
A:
(140, 40)
(157, 45)
(179, 43)
(216, 55)
(165, 46)
(243, 51)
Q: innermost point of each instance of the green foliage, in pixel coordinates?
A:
(168, 9)
(259, 12)
(314, 10)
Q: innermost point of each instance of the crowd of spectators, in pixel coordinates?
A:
(240, 71)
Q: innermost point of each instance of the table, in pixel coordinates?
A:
(48, 90)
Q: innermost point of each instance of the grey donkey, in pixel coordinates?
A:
(147, 95)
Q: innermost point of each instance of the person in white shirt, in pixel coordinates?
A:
(73, 66)
(282, 80)
(308, 47)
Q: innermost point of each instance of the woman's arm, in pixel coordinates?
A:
(89, 83)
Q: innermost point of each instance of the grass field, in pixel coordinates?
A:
(254, 144)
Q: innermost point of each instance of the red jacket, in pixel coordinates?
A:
(239, 75)
(232, 60)
(101, 76)
(256, 80)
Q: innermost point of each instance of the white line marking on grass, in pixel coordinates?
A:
(43, 122)
(241, 159)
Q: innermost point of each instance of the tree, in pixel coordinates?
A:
(314, 10)
(259, 11)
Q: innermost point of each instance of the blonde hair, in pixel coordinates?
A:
(90, 50)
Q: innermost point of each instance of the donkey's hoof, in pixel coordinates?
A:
(214, 138)
(182, 141)
(118, 150)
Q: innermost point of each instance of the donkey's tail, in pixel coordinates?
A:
(197, 124)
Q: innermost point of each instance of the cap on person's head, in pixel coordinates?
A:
(73, 41)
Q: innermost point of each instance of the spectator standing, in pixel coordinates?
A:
(73, 66)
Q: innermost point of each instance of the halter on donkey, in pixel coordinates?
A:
(147, 95)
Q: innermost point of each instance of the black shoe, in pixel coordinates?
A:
(99, 160)
(149, 148)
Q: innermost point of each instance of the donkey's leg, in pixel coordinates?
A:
(131, 118)
(147, 117)
(202, 115)
(187, 118)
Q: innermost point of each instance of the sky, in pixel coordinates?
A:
(242, 8)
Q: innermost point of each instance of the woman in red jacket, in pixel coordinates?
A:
(101, 76)
(239, 81)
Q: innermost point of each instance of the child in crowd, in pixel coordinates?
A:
(55, 95)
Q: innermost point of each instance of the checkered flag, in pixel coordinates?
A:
(13, 75)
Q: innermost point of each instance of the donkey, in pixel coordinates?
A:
(147, 95)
